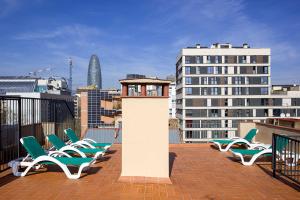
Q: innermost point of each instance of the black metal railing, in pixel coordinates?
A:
(21, 117)
(285, 158)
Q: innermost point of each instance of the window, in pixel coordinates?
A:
(204, 80)
(265, 70)
(210, 70)
(214, 91)
(254, 70)
(218, 59)
(246, 80)
(188, 80)
(237, 91)
(237, 80)
(242, 59)
(212, 80)
(253, 59)
(192, 134)
(235, 69)
(190, 60)
(214, 113)
(264, 80)
(187, 70)
(198, 71)
(218, 70)
(188, 91)
(265, 59)
(199, 59)
(264, 90)
(225, 70)
(204, 91)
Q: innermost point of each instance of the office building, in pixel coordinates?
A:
(98, 108)
(13, 85)
(220, 86)
(94, 72)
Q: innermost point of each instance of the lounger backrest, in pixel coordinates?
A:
(281, 143)
(71, 135)
(32, 147)
(56, 141)
(250, 135)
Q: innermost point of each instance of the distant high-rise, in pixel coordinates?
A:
(94, 72)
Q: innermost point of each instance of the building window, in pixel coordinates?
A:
(187, 70)
(199, 59)
(198, 70)
(242, 59)
(204, 91)
(214, 91)
(192, 134)
(265, 70)
(253, 59)
(237, 91)
(204, 80)
(264, 90)
(264, 80)
(225, 70)
(210, 70)
(188, 91)
(188, 80)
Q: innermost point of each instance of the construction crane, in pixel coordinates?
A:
(70, 73)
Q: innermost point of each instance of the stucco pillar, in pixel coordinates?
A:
(145, 138)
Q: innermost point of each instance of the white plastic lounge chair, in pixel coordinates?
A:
(256, 153)
(226, 144)
(86, 141)
(73, 148)
(37, 157)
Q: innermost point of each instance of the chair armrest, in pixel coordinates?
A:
(89, 140)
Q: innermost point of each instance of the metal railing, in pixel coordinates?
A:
(285, 157)
(21, 117)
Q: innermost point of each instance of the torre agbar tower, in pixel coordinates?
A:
(220, 86)
(94, 72)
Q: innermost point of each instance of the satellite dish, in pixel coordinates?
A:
(282, 115)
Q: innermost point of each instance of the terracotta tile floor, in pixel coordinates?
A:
(198, 172)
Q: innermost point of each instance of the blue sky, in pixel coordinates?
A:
(141, 36)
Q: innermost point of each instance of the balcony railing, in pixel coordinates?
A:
(21, 117)
(286, 152)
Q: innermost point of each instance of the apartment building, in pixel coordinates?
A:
(220, 86)
(98, 107)
(172, 96)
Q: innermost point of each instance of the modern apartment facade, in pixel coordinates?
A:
(220, 86)
(98, 108)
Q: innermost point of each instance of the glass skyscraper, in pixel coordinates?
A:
(94, 72)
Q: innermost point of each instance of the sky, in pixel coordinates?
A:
(144, 37)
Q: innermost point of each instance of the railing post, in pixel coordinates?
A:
(20, 124)
(274, 147)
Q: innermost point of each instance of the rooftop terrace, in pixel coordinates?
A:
(198, 171)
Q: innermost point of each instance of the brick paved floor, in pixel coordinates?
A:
(198, 172)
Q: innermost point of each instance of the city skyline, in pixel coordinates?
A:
(133, 38)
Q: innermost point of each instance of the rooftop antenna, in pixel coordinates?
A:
(70, 73)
